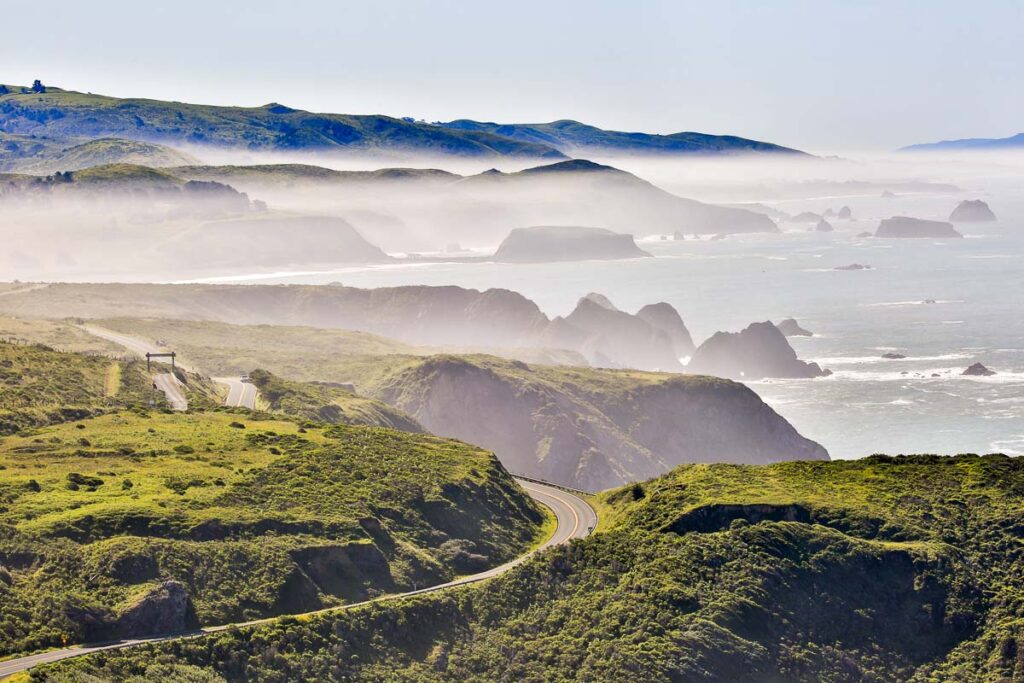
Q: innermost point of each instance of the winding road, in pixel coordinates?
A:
(575, 518)
(240, 394)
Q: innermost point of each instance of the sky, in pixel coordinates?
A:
(825, 76)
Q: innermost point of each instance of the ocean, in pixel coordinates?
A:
(945, 304)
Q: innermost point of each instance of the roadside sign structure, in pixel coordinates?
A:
(150, 356)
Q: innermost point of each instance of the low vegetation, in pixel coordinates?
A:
(39, 386)
(141, 522)
(883, 569)
(327, 402)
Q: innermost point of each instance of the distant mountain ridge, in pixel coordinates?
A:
(69, 115)
(55, 115)
(572, 137)
(970, 144)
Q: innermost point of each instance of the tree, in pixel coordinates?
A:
(4, 89)
(37, 86)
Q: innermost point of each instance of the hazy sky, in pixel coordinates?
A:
(821, 75)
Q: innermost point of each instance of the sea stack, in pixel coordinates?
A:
(972, 211)
(907, 227)
(791, 328)
(565, 243)
(978, 370)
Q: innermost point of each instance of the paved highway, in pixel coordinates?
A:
(575, 519)
(171, 386)
(240, 394)
(164, 381)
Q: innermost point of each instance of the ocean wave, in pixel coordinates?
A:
(1013, 445)
(920, 302)
(867, 360)
(944, 374)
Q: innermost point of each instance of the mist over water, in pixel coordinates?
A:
(918, 404)
(870, 404)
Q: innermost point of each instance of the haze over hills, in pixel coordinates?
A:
(969, 144)
(574, 138)
(56, 115)
(413, 209)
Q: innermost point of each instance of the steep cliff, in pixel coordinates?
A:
(583, 427)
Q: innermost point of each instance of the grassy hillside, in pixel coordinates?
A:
(883, 569)
(52, 157)
(234, 517)
(39, 386)
(66, 114)
(326, 402)
(299, 353)
(59, 335)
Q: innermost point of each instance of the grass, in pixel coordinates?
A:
(66, 114)
(327, 403)
(903, 569)
(234, 506)
(299, 353)
(56, 334)
(42, 386)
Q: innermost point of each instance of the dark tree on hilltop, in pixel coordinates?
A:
(3, 89)
(37, 86)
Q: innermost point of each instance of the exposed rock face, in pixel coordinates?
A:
(566, 243)
(791, 328)
(854, 266)
(167, 608)
(593, 428)
(757, 352)
(845, 213)
(664, 317)
(978, 370)
(904, 226)
(893, 356)
(613, 338)
(972, 211)
(823, 226)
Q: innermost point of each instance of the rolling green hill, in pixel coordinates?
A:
(134, 523)
(67, 115)
(51, 157)
(39, 386)
(880, 570)
(328, 402)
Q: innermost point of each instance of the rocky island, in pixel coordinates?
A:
(907, 227)
(978, 370)
(566, 243)
(972, 211)
(791, 328)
